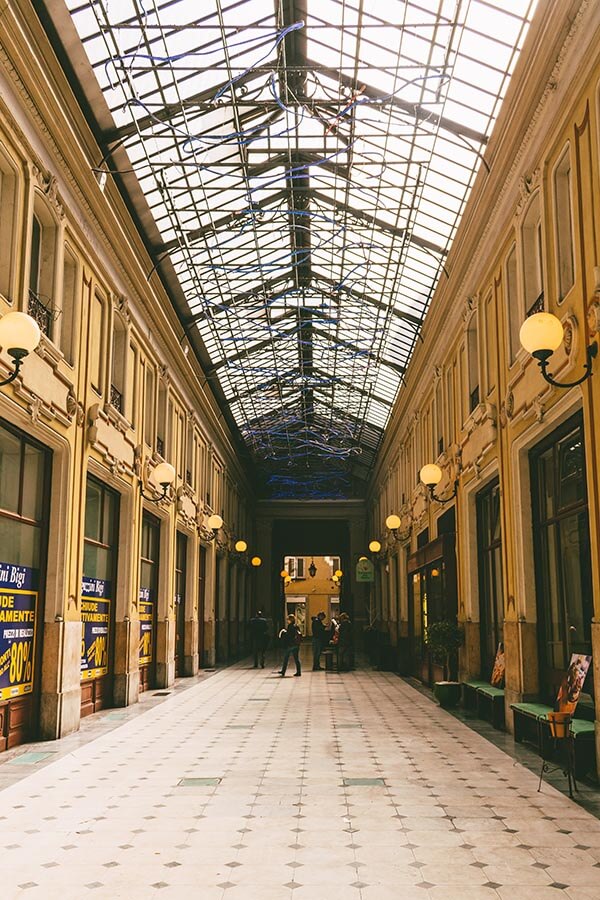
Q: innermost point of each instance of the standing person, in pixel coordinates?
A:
(292, 638)
(345, 643)
(259, 634)
(319, 639)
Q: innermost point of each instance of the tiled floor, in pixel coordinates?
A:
(315, 788)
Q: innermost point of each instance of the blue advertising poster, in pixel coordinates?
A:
(18, 608)
(146, 614)
(95, 622)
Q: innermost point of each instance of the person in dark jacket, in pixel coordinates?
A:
(346, 649)
(259, 635)
(291, 637)
(319, 639)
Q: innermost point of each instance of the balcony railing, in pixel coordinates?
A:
(536, 307)
(42, 312)
(116, 398)
(474, 398)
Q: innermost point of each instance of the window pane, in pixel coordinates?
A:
(33, 483)
(19, 543)
(10, 471)
(571, 470)
(93, 512)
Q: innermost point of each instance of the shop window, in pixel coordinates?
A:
(564, 225)
(70, 305)
(533, 281)
(42, 269)
(514, 313)
(473, 363)
(149, 406)
(8, 225)
(562, 551)
(98, 598)
(489, 559)
(118, 363)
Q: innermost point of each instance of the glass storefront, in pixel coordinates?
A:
(24, 512)
(98, 596)
(562, 552)
(489, 557)
(148, 600)
(432, 597)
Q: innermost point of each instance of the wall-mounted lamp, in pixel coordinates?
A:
(392, 523)
(312, 569)
(215, 522)
(542, 334)
(338, 573)
(431, 475)
(256, 561)
(164, 476)
(374, 546)
(19, 336)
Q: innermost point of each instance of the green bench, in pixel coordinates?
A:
(486, 700)
(531, 725)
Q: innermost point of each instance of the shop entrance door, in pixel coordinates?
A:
(148, 600)
(432, 595)
(180, 576)
(98, 597)
(24, 513)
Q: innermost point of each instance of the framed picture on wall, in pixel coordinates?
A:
(572, 683)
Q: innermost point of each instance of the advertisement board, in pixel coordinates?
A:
(18, 610)
(95, 621)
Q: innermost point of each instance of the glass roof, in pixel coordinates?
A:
(306, 163)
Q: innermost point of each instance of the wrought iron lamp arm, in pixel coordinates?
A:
(543, 357)
(447, 499)
(154, 498)
(18, 355)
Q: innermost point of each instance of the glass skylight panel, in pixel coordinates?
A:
(305, 209)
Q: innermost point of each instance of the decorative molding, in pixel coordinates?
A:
(121, 305)
(48, 184)
(593, 316)
(528, 184)
(75, 408)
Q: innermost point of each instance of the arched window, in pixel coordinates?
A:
(42, 267)
(564, 225)
(8, 224)
(149, 406)
(533, 279)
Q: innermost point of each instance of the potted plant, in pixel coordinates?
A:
(443, 639)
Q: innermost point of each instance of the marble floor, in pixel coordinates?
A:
(247, 785)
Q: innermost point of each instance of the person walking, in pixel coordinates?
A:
(259, 635)
(346, 661)
(292, 638)
(319, 639)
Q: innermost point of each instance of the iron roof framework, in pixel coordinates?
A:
(306, 163)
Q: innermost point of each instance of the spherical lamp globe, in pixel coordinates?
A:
(392, 522)
(541, 333)
(430, 475)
